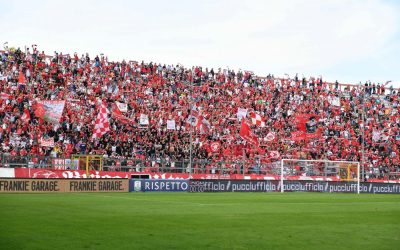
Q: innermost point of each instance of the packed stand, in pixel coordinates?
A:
(174, 93)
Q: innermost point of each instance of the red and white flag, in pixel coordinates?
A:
(247, 135)
(256, 119)
(123, 107)
(270, 136)
(203, 125)
(215, 146)
(274, 154)
(26, 117)
(241, 113)
(116, 114)
(4, 96)
(193, 118)
(102, 125)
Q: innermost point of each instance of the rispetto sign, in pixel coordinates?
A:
(63, 185)
(159, 185)
(291, 186)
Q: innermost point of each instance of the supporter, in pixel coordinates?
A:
(173, 92)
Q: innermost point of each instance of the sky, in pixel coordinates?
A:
(345, 40)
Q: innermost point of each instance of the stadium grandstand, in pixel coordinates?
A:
(151, 117)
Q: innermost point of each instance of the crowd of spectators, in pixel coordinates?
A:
(171, 92)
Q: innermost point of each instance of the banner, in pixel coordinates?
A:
(106, 185)
(47, 142)
(241, 113)
(308, 127)
(50, 111)
(171, 124)
(4, 96)
(63, 185)
(291, 186)
(158, 185)
(65, 164)
(144, 119)
(67, 174)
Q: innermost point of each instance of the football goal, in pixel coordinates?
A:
(317, 171)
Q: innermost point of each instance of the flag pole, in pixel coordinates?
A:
(190, 132)
(363, 137)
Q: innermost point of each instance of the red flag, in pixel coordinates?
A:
(301, 121)
(308, 125)
(215, 146)
(246, 134)
(21, 78)
(117, 114)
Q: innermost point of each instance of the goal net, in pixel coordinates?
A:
(305, 173)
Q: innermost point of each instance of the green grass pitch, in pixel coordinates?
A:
(199, 221)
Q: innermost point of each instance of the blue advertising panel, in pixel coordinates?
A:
(158, 185)
(291, 186)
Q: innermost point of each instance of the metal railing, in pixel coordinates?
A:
(165, 165)
(159, 165)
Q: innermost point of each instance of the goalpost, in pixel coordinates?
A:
(319, 170)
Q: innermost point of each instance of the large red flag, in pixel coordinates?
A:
(307, 125)
(246, 134)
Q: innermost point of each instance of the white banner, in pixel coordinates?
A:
(144, 119)
(171, 124)
(241, 113)
(47, 142)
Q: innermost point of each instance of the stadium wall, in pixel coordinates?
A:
(13, 185)
(93, 174)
